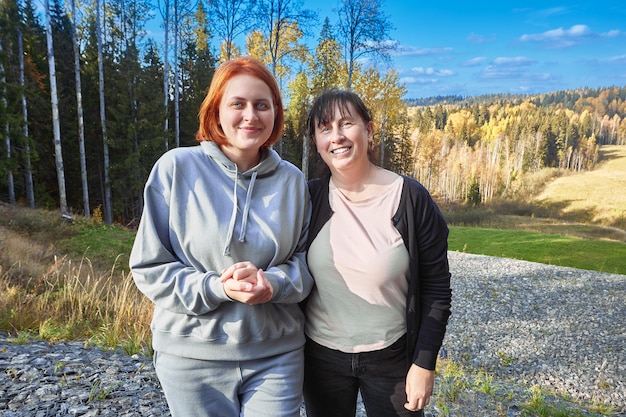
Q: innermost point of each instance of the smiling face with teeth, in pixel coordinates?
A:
(342, 135)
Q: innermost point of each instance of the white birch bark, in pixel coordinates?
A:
(56, 128)
(7, 137)
(166, 70)
(108, 217)
(30, 192)
(79, 110)
(177, 30)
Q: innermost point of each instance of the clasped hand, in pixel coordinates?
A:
(245, 283)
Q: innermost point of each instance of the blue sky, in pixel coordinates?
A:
(479, 47)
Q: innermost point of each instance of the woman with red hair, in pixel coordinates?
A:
(220, 251)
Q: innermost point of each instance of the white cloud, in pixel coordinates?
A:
(390, 44)
(615, 60)
(474, 61)
(433, 72)
(418, 80)
(560, 38)
(541, 17)
(513, 61)
(514, 75)
(405, 50)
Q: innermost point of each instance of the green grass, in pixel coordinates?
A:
(105, 245)
(553, 249)
(460, 389)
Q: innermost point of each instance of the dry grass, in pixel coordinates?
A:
(55, 298)
(589, 205)
(25, 257)
(555, 226)
(597, 196)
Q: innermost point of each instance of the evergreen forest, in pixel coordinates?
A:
(90, 99)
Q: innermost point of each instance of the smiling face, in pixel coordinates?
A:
(246, 115)
(343, 141)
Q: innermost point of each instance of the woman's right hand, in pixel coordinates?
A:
(245, 283)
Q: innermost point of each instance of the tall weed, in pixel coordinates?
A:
(73, 301)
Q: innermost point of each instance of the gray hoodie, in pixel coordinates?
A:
(201, 215)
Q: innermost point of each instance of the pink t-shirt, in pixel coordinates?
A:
(360, 266)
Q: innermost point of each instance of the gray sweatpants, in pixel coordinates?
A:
(268, 387)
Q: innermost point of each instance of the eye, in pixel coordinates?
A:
(323, 129)
(236, 104)
(346, 123)
(263, 106)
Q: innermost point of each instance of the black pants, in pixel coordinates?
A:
(332, 380)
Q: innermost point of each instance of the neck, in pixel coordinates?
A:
(353, 181)
(243, 160)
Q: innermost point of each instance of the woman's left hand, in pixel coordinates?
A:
(419, 387)
(245, 283)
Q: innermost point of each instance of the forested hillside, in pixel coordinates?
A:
(86, 111)
(482, 147)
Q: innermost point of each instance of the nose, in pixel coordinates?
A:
(249, 112)
(337, 135)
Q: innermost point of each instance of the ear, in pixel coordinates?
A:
(370, 131)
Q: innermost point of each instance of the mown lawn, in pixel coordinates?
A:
(553, 249)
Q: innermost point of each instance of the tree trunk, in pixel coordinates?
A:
(79, 110)
(30, 193)
(383, 133)
(166, 70)
(177, 30)
(56, 128)
(305, 157)
(7, 137)
(108, 217)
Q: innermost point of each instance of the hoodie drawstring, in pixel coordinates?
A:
(233, 216)
(246, 208)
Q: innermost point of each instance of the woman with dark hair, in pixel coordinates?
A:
(220, 251)
(377, 249)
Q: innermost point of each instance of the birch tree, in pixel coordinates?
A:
(79, 115)
(56, 128)
(28, 172)
(364, 30)
(176, 73)
(165, 13)
(283, 22)
(7, 136)
(383, 94)
(230, 19)
(182, 10)
(108, 209)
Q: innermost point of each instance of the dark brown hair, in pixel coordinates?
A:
(323, 109)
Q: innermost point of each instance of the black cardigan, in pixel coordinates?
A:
(425, 233)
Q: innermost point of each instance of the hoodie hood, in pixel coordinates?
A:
(246, 179)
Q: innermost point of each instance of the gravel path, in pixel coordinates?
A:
(524, 324)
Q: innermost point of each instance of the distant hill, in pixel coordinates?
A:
(433, 101)
(460, 100)
(564, 98)
(598, 194)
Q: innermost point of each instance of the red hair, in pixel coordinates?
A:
(208, 115)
